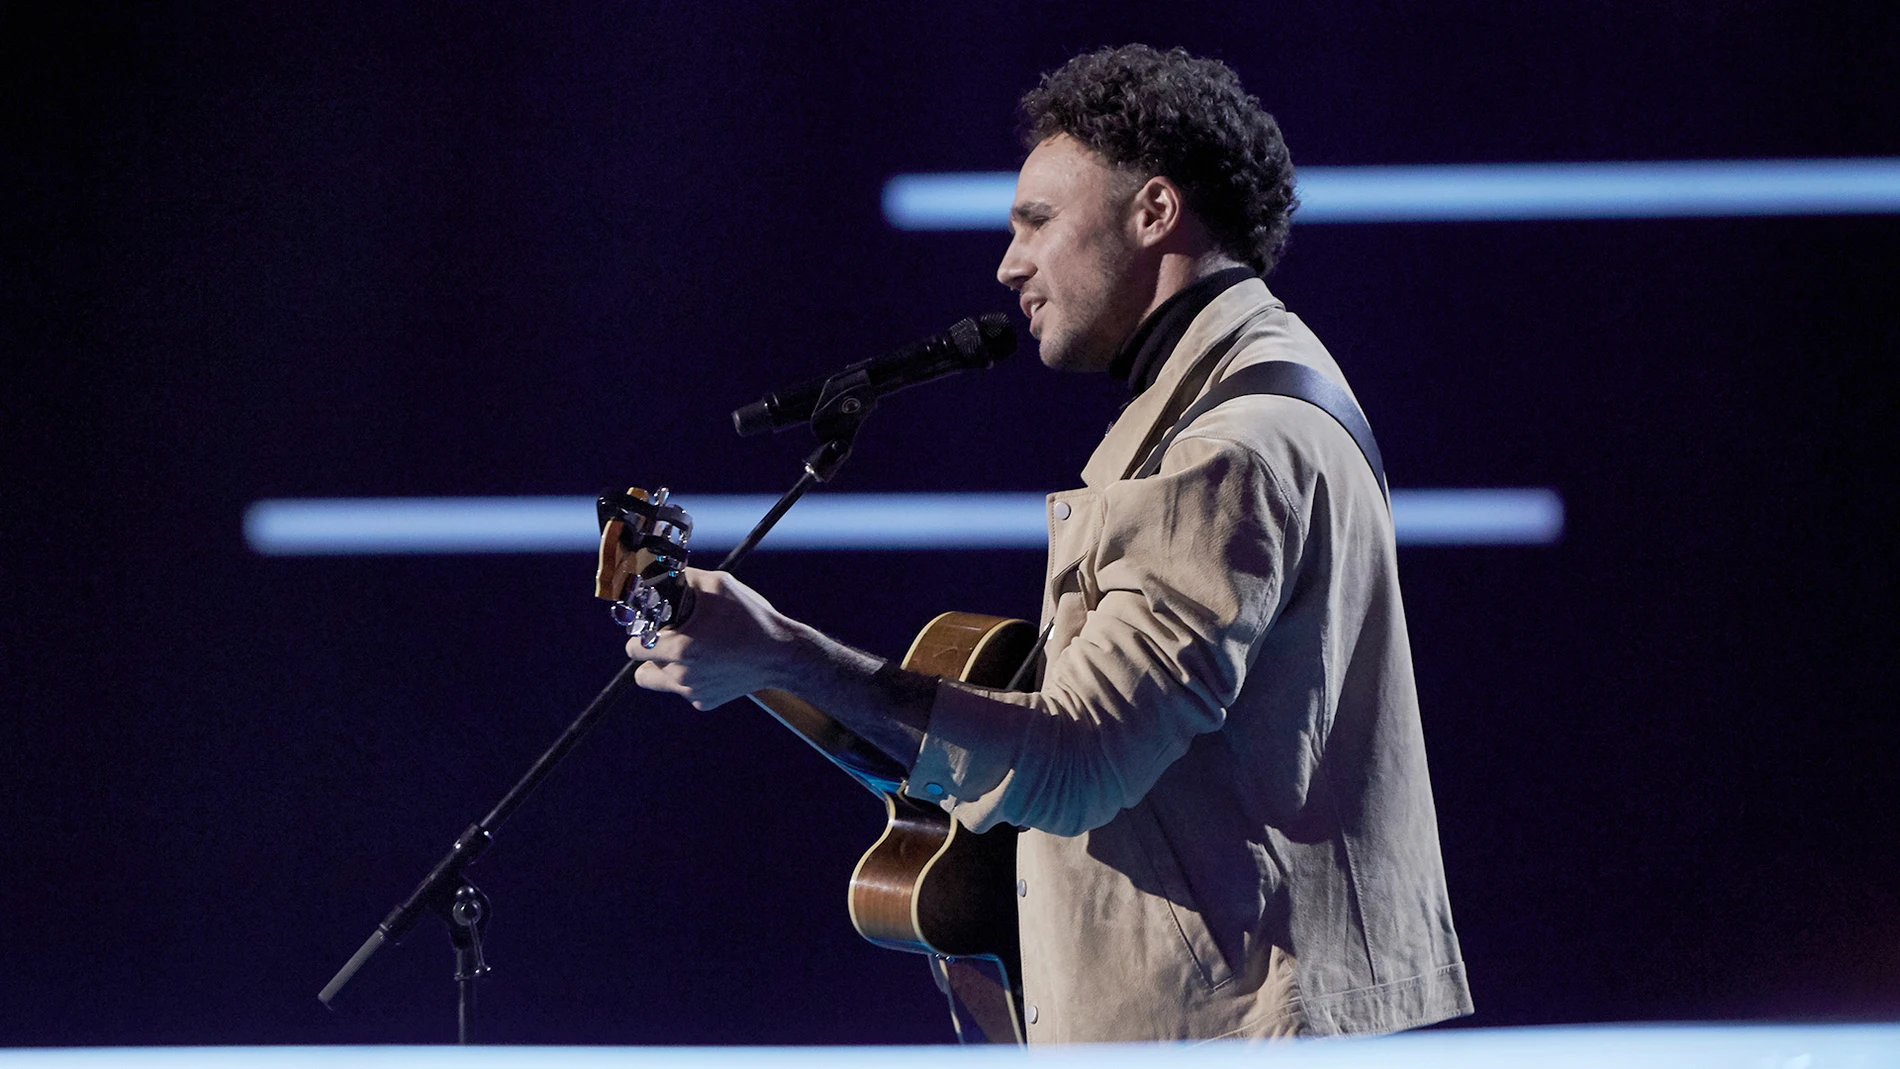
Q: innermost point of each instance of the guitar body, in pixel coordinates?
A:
(929, 885)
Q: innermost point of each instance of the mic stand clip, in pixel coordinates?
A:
(847, 400)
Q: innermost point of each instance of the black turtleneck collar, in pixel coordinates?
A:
(1141, 357)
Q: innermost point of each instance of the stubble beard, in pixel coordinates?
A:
(1090, 329)
(1071, 350)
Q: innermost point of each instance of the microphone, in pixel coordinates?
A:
(969, 344)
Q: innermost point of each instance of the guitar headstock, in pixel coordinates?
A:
(642, 550)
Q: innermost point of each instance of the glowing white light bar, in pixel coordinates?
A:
(1496, 191)
(317, 526)
(1514, 517)
(973, 200)
(1875, 1046)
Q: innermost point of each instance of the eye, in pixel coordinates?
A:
(1025, 221)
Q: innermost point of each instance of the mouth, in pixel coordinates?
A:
(1030, 306)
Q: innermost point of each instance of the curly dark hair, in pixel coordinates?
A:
(1169, 113)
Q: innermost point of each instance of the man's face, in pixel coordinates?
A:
(1072, 256)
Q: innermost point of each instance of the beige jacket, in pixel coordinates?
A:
(1223, 774)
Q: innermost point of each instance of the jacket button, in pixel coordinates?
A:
(1061, 510)
(1031, 1015)
(935, 790)
(1022, 888)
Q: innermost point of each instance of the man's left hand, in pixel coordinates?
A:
(733, 643)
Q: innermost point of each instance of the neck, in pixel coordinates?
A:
(1178, 271)
(1142, 353)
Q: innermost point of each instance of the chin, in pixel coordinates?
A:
(1056, 357)
(1054, 348)
(1066, 354)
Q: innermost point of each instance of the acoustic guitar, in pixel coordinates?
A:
(928, 885)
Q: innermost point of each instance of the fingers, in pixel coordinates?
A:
(672, 646)
(732, 646)
(723, 586)
(674, 678)
(711, 581)
(673, 640)
(653, 676)
(666, 678)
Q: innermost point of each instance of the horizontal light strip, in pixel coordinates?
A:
(1515, 517)
(1496, 191)
(1865, 1046)
(315, 526)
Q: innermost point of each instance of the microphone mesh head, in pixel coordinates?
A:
(968, 341)
(998, 334)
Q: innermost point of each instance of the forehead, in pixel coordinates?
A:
(1061, 171)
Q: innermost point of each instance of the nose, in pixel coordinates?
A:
(1015, 268)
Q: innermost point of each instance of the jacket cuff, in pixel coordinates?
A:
(968, 751)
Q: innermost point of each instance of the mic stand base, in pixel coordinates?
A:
(447, 894)
(467, 915)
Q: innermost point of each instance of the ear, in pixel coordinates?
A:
(1157, 211)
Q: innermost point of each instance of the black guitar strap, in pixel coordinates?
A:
(1286, 379)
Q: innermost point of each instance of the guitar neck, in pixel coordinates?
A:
(989, 651)
(874, 769)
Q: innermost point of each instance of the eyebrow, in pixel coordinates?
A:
(1030, 207)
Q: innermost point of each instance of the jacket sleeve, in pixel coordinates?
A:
(1186, 573)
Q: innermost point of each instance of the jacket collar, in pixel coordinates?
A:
(1146, 350)
(1225, 313)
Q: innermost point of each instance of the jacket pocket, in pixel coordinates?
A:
(1197, 941)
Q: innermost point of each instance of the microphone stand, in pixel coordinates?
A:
(847, 400)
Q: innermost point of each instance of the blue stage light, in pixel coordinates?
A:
(318, 526)
(1499, 517)
(1477, 192)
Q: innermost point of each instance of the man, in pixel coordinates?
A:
(1229, 823)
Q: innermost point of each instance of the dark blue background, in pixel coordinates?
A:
(521, 248)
